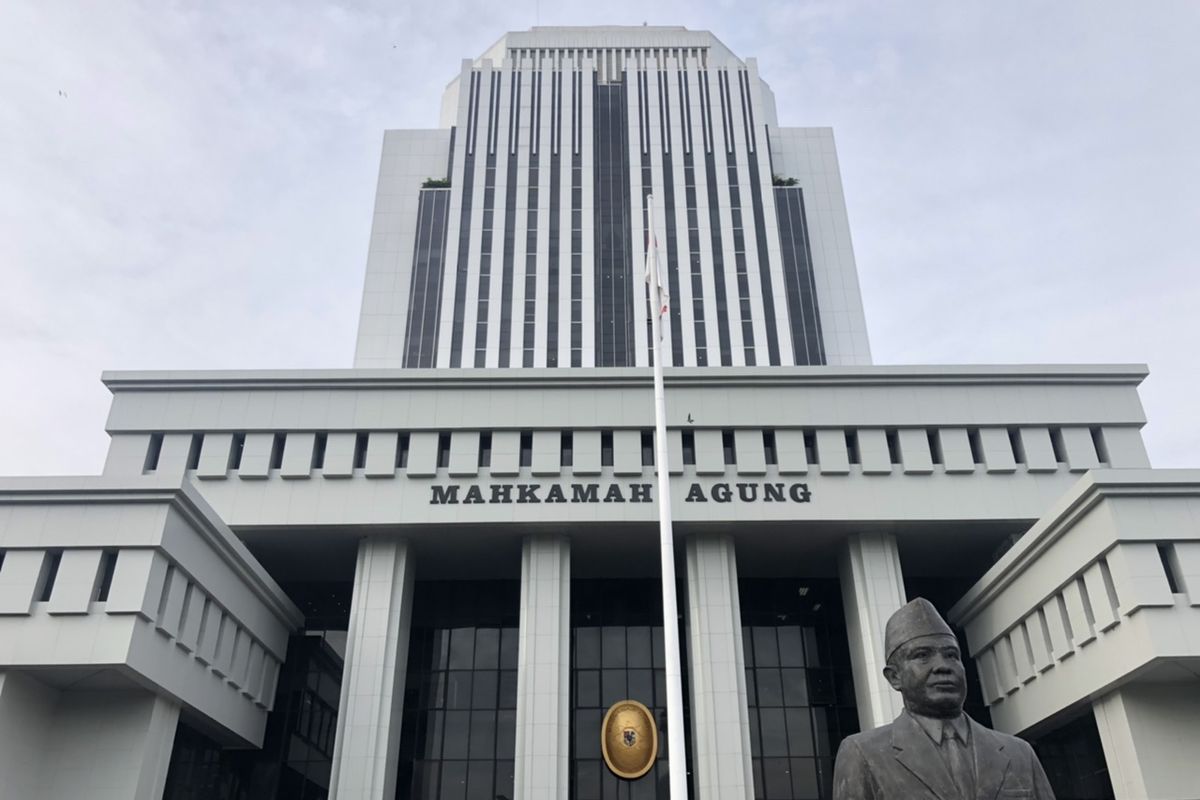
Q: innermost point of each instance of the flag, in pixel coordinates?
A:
(659, 292)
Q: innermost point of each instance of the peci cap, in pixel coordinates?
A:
(917, 618)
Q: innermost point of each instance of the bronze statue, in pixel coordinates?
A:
(933, 750)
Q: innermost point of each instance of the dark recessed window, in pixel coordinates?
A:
(566, 449)
(606, 448)
(1099, 444)
(277, 444)
(108, 565)
(974, 440)
(153, 451)
(45, 585)
(443, 451)
(526, 449)
(485, 449)
(1018, 448)
(935, 445)
(769, 451)
(318, 456)
(810, 447)
(852, 447)
(401, 450)
(730, 449)
(689, 448)
(893, 445)
(647, 448)
(193, 458)
(1056, 444)
(360, 450)
(235, 451)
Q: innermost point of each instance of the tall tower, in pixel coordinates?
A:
(514, 234)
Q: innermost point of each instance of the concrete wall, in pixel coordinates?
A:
(66, 745)
(1149, 733)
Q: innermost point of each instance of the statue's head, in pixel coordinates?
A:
(924, 663)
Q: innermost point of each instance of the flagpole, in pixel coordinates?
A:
(676, 751)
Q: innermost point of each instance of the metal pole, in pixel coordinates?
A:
(676, 752)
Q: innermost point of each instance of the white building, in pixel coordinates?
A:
(429, 575)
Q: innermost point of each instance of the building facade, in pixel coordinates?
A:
(429, 575)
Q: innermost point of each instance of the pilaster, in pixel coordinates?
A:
(720, 717)
(872, 590)
(544, 670)
(368, 726)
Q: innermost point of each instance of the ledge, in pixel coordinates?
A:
(624, 377)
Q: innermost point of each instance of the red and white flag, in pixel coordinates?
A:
(660, 296)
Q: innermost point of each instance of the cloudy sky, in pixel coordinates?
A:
(189, 185)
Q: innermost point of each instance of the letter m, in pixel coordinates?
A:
(443, 495)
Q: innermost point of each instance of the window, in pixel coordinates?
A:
(647, 448)
(852, 447)
(443, 451)
(277, 451)
(810, 447)
(1100, 445)
(566, 449)
(108, 566)
(153, 451)
(360, 450)
(800, 689)
(318, 454)
(485, 449)
(689, 448)
(976, 444)
(235, 451)
(772, 456)
(526, 449)
(48, 574)
(193, 458)
(401, 450)
(1018, 448)
(459, 721)
(729, 447)
(893, 445)
(606, 448)
(935, 445)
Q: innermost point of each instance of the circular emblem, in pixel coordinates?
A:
(629, 739)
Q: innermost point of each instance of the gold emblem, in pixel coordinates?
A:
(629, 739)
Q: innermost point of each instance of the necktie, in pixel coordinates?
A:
(958, 758)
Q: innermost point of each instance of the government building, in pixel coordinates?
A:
(431, 574)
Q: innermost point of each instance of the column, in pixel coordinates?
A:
(1148, 732)
(717, 672)
(368, 725)
(544, 670)
(872, 590)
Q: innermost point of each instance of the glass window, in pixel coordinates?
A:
(459, 724)
(798, 714)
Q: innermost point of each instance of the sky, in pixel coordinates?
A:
(190, 185)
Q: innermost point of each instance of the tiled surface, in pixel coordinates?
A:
(872, 590)
(720, 756)
(368, 723)
(543, 700)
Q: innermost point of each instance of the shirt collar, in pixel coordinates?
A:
(934, 727)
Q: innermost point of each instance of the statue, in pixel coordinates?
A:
(933, 750)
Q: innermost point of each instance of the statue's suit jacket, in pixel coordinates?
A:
(900, 762)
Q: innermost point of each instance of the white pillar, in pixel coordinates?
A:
(368, 725)
(717, 672)
(872, 590)
(544, 670)
(1148, 732)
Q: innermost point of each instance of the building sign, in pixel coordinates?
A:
(504, 493)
